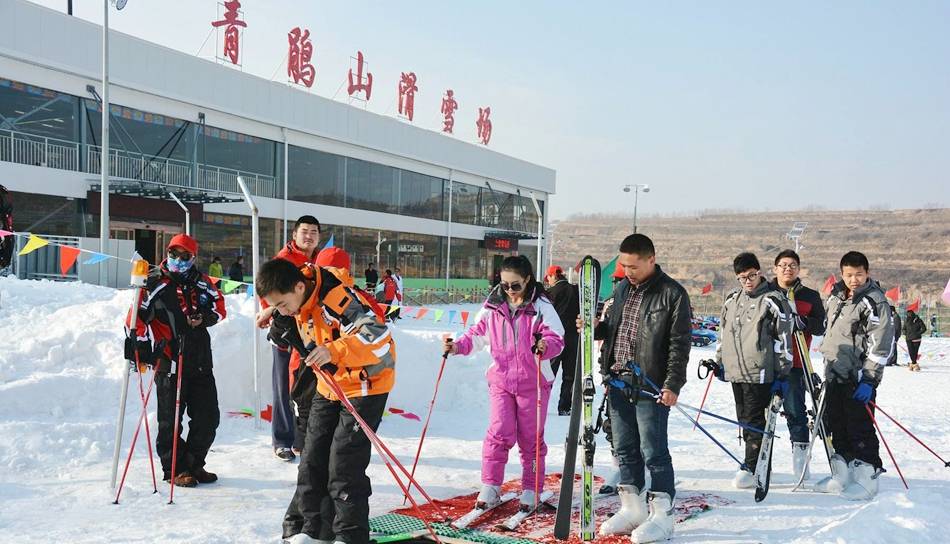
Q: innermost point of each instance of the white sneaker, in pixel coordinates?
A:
(799, 451)
(633, 512)
(864, 481)
(489, 496)
(840, 478)
(659, 525)
(744, 480)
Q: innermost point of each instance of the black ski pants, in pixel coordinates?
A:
(752, 400)
(568, 360)
(850, 426)
(332, 497)
(913, 347)
(199, 398)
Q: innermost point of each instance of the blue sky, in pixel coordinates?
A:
(748, 105)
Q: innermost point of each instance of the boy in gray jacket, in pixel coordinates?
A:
(754, 353)
(857, 345)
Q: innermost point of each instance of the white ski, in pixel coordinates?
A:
(476, 512)
(514, 521)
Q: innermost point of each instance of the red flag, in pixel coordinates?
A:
(422, 312)
(267, 413)
(894, 294)
(707, 289)
(67, 257)
(829, 284)
(914, 306)
(464, 319)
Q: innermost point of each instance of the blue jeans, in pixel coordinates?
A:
(283, 422)
(640, 441)
(794, 406)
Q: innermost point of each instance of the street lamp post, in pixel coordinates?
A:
(636, 188)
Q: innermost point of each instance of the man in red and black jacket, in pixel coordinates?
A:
(178, 305)
(811, 321)
(285, 439)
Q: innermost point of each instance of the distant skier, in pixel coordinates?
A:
(914, 330)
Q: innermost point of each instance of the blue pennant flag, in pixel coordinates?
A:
(329, 242)
(96, 258)
(250, 291)
(451, 316)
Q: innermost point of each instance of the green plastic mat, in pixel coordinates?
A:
(393, 524)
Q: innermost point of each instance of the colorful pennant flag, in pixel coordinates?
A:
(4, 233)
(707, 288)
(464, 318)
(96, 258)
(438, 315)
(267, 413)
(914, 306)
(422, 312)
(250, 290)
(894, 294)
(228, 286)
(451, 315)
(945, 297)
(34, 243)
(829, 284)
(67, 258)
(329, 242)
(392, 308)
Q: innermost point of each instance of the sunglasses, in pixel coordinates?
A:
(512, 287)
(179, 255)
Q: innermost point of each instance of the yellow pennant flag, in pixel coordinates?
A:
(392, 309)
(34, 243)
(227, 286)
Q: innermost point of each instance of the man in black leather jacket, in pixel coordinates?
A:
(647, 325)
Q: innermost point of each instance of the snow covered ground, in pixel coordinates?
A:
(60, 373)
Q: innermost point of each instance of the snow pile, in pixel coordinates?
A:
(61, 369)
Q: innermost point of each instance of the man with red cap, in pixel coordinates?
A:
(566, 300)
(285, 436)
(179, 303)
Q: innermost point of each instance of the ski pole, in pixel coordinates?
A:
(703, 402)
(425, 427)
(180, 371)
(636, 369)
(878, 408)
(870, 413)
(537, 424)
(135, 437)
(381, 449)
(148, 434)
(715, 415)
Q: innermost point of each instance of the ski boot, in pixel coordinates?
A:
(799, 451)
(488, 497)
(743, 479)
(659, 525)
(864, 484)
(839, 480)
(633, 512)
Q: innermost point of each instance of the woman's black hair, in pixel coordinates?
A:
(519, 264)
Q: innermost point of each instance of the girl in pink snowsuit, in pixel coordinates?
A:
(516, 321)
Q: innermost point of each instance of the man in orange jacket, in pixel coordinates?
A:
(346, 334)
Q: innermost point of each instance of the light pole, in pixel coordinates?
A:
(636, 188)
(379, 242)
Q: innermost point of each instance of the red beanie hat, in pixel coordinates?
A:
(185, 242)
(335, 257)
(555, 270)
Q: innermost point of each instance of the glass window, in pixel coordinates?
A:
(38, 111)
(465, 203)
(140, 132)
(236, 151)
(421, 195)
(468, 260)
(371, 186)
(315, 176)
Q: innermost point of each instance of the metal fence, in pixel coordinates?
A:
(44, 263)
(24, 148)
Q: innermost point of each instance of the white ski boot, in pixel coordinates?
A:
(527, 499)
(837, 482)
(799, 451)
(659, 525)
(864, 481)
(633, 512)
(744, 480)
(488, 497)
(304, 538)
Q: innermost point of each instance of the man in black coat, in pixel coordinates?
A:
(566, 301)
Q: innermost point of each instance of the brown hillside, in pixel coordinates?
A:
(906, 247)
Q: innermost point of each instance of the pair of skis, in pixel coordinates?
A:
(589, 287)
(509, 524)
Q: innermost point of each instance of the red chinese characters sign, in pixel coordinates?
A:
(407, 94)
(449, 105)
(299, 53)
(358, 83)
(483, 124)
(232, 35)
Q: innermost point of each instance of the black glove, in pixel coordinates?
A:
(142, 349)
(281, 327)
(712, 367)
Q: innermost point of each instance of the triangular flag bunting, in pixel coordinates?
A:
(227, 286)
(707, 288)
(67, 258)
(464, 319)
(4, 233)
(829, 284)
(392, 308)
(96, 258)
(894, 294)
(34, 243)
(914, 306)
(214, 279)
(329, 242)
(451, 315)
(267, 413)
(945, 297)
(250, 291)
(438, 315)
(422, 312)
